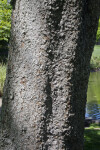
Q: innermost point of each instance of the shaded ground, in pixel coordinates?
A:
(92, 138)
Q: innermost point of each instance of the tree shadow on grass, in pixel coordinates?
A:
(92, 139)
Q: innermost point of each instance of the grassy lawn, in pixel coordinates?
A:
(92, 138)
(2, 77)
(95, 60)
(96, 52)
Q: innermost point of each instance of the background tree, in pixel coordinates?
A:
(48, 68)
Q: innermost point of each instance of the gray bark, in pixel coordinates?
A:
(48, 68)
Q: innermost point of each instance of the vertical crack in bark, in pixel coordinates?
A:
(56, 13)
(53, 19)
(13, 3)
(48, 113)
(54, 16)
(48, 103)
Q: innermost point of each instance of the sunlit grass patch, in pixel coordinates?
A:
(92, 137)
(96, 52)
(95, 62)
(95, 59)
(2, 76)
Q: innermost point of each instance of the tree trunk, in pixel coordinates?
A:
(47, 76)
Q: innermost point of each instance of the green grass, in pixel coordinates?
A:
(94, 126)
(92, 138)
(95, 59)
(2, 76)
(96, 52)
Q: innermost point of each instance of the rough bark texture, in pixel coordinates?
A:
(47, 76)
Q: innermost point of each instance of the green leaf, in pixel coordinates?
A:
(5, 20)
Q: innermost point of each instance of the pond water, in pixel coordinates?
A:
(93, 96)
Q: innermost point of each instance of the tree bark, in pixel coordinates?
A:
(47, 76)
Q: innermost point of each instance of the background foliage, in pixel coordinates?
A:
(98, 32)
(5, 20)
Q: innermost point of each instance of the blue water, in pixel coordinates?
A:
(93, 111)
(93, 96)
